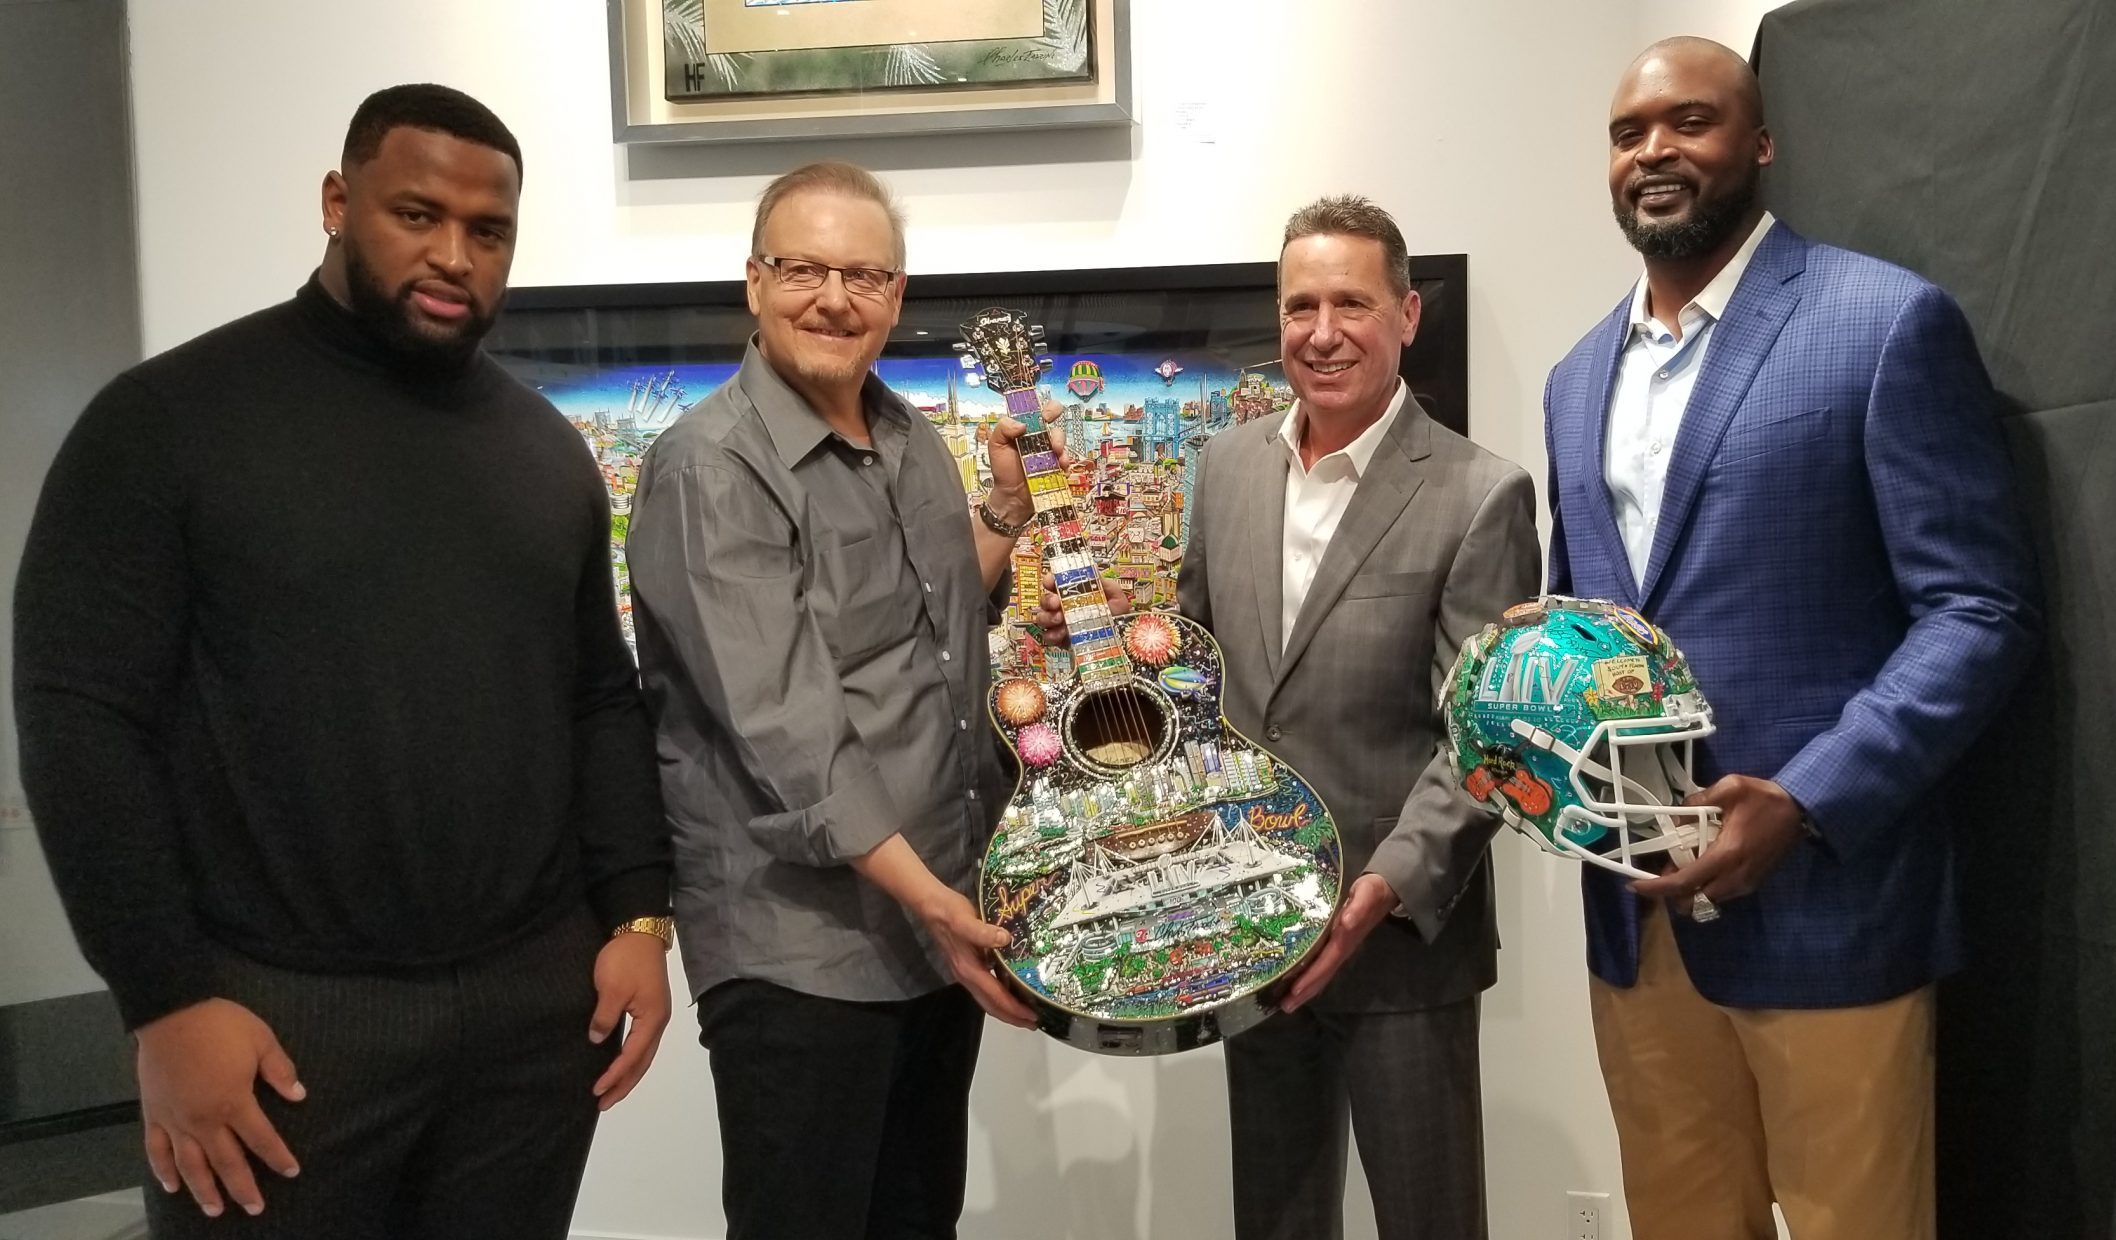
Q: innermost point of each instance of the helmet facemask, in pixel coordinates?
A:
(1576, 721)
(1630, 781)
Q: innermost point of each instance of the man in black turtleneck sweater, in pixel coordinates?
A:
(333, 741)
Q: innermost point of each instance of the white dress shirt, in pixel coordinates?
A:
(1654, 376)
(1316, 500)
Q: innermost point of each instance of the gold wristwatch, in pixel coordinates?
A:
(663, 928)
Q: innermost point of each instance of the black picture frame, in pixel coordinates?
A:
(570, 324)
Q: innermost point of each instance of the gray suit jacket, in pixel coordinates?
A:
(1438, 540)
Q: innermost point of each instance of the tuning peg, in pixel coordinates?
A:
(1044, 363)
(1036, 329)
(961, 347)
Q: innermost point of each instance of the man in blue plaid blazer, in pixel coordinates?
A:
(1786, 455)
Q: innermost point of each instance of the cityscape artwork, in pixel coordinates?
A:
(1133, 425)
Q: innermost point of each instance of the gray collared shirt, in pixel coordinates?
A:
(811, 622)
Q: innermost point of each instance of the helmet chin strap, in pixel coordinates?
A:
(1675, 837)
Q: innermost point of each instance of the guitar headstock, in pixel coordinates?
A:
(1006, 345)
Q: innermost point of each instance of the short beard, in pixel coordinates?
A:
(1705, 229)
(823, 372)
(388, 318)
(829, 375)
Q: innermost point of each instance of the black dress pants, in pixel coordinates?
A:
(839, 1120)
(454, 1103)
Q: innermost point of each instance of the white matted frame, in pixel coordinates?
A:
(641, 112)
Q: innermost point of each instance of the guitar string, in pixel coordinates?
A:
(1119, 710)
(1134, 739)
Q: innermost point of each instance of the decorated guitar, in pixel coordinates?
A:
(1158, 871)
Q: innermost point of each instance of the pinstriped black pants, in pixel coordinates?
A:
(451, 1103)
(841, 1120)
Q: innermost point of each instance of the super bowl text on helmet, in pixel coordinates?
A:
(1574, 720)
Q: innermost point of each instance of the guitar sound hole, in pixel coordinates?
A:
(1119, 727)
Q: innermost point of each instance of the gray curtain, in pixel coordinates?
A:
(1975, 142)
(69, 320)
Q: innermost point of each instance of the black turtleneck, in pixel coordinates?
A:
(317, 659)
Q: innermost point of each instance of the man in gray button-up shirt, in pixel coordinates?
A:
(812, 597)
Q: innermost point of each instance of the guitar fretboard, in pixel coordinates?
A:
(1098, 656)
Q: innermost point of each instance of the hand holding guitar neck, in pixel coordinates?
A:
(1050, 613)
(1009, 495)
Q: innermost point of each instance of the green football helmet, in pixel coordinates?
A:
(1575, 721)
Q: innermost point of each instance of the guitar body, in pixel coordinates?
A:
(1153, 899)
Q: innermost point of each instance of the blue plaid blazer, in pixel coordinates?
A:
(1841, 557)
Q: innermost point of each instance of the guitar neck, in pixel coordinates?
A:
(1098, 655)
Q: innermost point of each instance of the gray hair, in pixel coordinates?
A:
(830, 177)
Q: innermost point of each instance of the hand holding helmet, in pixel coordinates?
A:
(1759, 823)
(1575, 722)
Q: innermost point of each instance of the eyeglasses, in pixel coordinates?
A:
(800, 273)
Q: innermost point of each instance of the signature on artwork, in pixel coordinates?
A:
(1010, 56)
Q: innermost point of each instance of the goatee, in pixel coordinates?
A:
(388, 317)
(1704, 229)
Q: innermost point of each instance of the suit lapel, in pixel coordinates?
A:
(1266, 482)
(1761, 304)
(1609, 345)
(1384, 490)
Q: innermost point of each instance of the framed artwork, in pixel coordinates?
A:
(1149, 364)
(779, 70)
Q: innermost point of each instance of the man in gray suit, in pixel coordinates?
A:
(1341, 553)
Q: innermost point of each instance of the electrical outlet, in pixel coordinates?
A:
(1583, 1215)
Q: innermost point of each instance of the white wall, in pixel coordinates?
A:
(1479, 125)
(1732, 22)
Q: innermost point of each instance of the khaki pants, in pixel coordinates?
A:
(1720, 1111)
